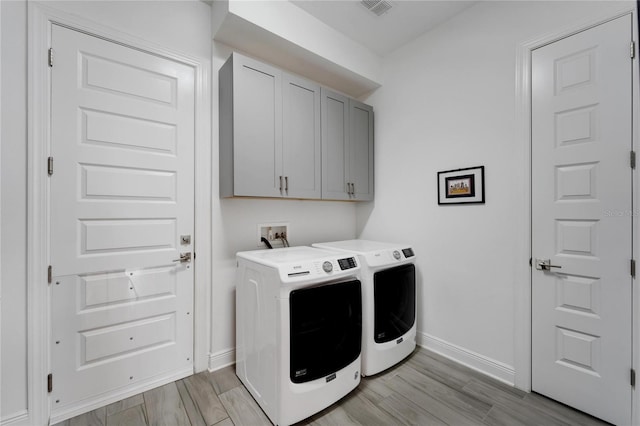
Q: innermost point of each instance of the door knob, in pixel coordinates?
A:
(545, 265)
(184, 257)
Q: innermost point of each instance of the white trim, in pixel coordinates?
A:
(635, 402)
(0, 211)
(202, 222)
(37, 216)
(19, 418)
(522, 302)
(114, 396)
(41, 17)
(222, 359)
(485, 365)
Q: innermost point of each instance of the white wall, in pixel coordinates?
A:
(235, 224)
(181, 26)
(448, 101)
(14, 208)
(288, 36)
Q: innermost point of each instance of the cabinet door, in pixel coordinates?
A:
(335, 140)
(361, 150)
(301, 138)
(257, 113)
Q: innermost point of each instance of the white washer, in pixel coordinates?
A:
(388, 301)
(298, 329)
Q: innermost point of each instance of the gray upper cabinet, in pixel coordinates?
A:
(284, 136)
(301, 138)
(250, 128)
(335, 143)
(347, 148)
(269, 132)
(361, 150)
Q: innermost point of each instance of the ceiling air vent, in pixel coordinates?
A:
(378, 7)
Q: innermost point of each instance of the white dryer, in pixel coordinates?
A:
(388, 301)
(298, 329)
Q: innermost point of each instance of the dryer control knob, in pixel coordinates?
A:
(327, 267)
(396, 254)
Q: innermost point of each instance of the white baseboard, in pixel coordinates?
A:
(222, 359)
(19, 418)
(496, 369)
(114, 396)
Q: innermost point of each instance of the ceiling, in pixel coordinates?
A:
(406, 20)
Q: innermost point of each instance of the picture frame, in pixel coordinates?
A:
(461, 186)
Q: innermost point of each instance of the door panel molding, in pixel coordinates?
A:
(522, 291)
(41, 17)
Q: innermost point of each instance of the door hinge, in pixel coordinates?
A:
(50, 383)
(633, 268)
(632, 159)
(50, 56)
(50, 274)
(632, 378)
(632, 51)
(50, 166)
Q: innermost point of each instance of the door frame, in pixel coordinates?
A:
(41, 17)
(522, 291)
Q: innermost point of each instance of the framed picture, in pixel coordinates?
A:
(461, 186)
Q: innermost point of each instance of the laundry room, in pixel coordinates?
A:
(448, 89)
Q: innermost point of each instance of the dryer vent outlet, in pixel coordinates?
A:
(275, 233)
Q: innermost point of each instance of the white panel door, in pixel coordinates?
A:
(581, 220)
(122, 139)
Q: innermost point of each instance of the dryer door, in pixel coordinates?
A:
(326, 329)
(394, 292)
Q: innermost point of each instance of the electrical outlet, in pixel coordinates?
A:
(273, 232)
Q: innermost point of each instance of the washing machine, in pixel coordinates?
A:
(298, 329)
(388, 277)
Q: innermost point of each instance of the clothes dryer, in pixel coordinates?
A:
(298, 329)
(388, 301)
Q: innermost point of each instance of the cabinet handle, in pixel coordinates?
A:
(353, 189)
(348, 188)
(286, 183)
(280, 183)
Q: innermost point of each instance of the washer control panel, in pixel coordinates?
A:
(321, 267)
(389, 256)
(347, 263)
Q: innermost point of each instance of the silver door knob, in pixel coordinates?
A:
(545, 265)
(184, 257)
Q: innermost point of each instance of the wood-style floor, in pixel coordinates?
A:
(425, 389)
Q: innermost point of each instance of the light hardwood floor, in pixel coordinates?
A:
(425, 389)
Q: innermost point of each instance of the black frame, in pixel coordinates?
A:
(474, 177)
(325, 330)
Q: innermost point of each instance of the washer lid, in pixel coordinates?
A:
(361, 246)
(281, 256)
(373, 253)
